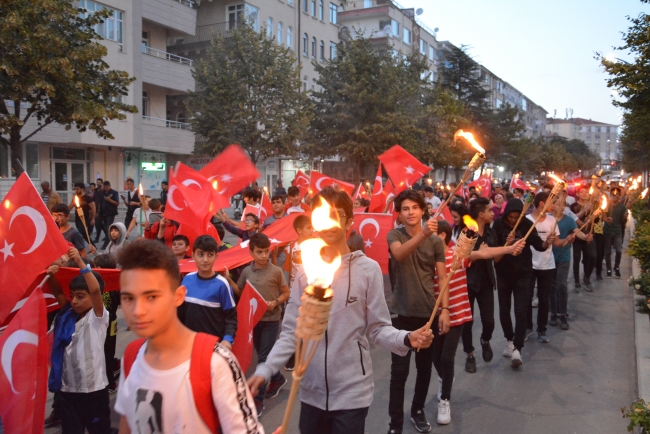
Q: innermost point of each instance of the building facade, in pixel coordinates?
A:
(601, 138)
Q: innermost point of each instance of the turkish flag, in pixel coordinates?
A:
(192, 233)
(445, 215)
(374, 228)
(320, 181)
(302, 182)
(232, 258)
(266, 208)
(518, 183)
(381, 194)
(483, 185)
(23, 372)
(402, 168)
(180, 208)
(199, 191)
(281, 232)
(30, 241)
(250, 310)
(361, 193)
(232, 169)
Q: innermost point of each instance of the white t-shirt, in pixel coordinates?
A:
(544, 260)
(293, 209)
(434, 201)
(161, 401)
(84, 367)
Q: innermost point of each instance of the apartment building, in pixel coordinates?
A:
(145, 143)
(601, 138)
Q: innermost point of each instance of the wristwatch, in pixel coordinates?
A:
(407, 341)
(85, 270)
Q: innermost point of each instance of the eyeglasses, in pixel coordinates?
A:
(249, 221)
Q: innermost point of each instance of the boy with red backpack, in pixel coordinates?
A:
(174, 380)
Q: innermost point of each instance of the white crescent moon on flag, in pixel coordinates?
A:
(191, 181)
(372, 222)
(318, 187)
(380, 190)
(300, 180)
(18, 337)
(170, 198)
(210, 179)
(253, 309)
(39, 224)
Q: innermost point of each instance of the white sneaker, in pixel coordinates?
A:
(439, 388)
(444, 412)
(515, 359)
(535, 302)
(507, 352)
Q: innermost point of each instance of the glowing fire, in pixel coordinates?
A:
(140, 190)
(603, 205)
(470, 138)
(644, 193)
(76, 201)
(591, 190)
(557, 179)
(470, 223)
(215, 184)
(639, 179)
(319, 272)
(600, 173)
(324, 217)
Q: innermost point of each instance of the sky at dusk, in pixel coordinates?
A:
(545, 49)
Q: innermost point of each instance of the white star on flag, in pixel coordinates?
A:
(226, 178)
(6, 250)
(368, 243)
(409, 170)
(274, 241)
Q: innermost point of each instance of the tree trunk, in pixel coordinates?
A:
(445, 178)
(15, 151)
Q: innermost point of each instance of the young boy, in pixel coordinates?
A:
(304, 229)
(277, 203)
(157, 394)
(78, 365)
(270, 282)
(180, 247)
(111, 301)
(209, 305)
(338, 386)
(61, 215)
(117, 235)
(251, 225)
(294, 204)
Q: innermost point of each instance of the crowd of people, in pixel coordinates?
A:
(525, 259)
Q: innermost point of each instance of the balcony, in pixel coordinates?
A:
(167, 70)
(203, 35)
(167, 136)
(179, 15)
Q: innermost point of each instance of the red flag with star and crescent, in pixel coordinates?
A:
(381, 194)
(518, 183)
(23, 372)
(484, 185)
(320, 181)
(250, 309)
(30, 241)
(232, 169)
(302, 182)
(361, 193)
(402, 168)
(374, 228)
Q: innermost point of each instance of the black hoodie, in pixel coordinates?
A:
(522, 264)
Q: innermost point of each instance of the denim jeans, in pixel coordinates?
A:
(519, 288)
(399, 372)
(545, 284)
(314, 420)
(265, 334)
(559, 296)
(485, 300)
(616, 241)
(444, 352)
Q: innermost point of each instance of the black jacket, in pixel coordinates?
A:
(475, 279)
(522, 264)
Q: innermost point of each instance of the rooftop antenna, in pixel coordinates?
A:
(435, 32)
(419, 11)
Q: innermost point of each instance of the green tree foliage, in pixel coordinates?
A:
(51, 71)
(249, 93)
(369, 101)
(632, 82)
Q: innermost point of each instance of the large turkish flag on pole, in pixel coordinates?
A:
(320, 181)
(250, 310)
(518, 183)
(374, 228)
(232, 169)
(484, 186)
(402, 168)
(302, 182)
(23, 371)
(30, 241)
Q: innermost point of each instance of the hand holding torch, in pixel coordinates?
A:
(553, 196)
(80, 214)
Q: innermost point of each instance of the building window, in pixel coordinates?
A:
(313, 85)
(597, 136)
(279, 33)
(289, 37)
(333, 19)
(269, 28)
(313, 48)
(332, 50)
(305, 48)
(597, 129)
(237, 14)
(180, 117)
(304, 5)
(29, 160)
(320, 10)
(313, 8)
(321, 57)
(304, 83)
(524, 105)
(145, 42)
(145, 103)
(498, 103)
(111, 28)
(395, 25)
(432, 53)
(423, 47)
(406, 38)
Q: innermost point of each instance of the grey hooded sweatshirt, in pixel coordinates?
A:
(339, 376)
(114, 248)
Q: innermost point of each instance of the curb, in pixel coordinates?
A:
(642, 343)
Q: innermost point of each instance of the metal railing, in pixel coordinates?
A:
(188, 3)
(165, 123)
(167, 56)
(203, 34)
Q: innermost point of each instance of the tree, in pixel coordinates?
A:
(369, 100)
(51, 71)
(632, 83)
(249, 93)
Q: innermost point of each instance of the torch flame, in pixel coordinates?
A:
(603, 205)
(591, 190)
(644, 193)
(319, 272)
(470, 138)
(600, 172)
(470, 223)
(140, 190)
(557, 179)
(321, 217)
(76, 201)
(639, 178)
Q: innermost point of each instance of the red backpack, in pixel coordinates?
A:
(200, 374)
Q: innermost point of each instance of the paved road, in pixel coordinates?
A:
(575, 384)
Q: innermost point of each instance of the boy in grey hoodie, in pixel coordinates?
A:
(117, 235)
(337, 388)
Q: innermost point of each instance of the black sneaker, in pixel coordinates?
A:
(274, 388)
(599, 278)
(291, 363)
(609, 274)
(420, 421)
(53, 419)
(564, 325)
(617, 273)
(394, 431)
(553, 321)
(587, 284)
(541, 336)
(259, 407)
(112, 388)
(487, 351)
(117, 368)
(470, 364)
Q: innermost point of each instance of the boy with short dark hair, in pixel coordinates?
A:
(251, 225)
(61, 214)
(158, 391)
(111, 301)
(294, 204)
(277, 203)
(180, 246)
(209, 305)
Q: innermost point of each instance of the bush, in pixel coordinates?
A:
(639, 415)
(640, 212)
(639, 247)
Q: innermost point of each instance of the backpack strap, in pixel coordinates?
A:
(201, 378)
(130, 353)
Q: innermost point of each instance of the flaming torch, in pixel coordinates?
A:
(528, 201)
(316, 301)
(462, 250)
(598, 210)
(644, 193)
(80, 214)
(553, 197)
(476, 162)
